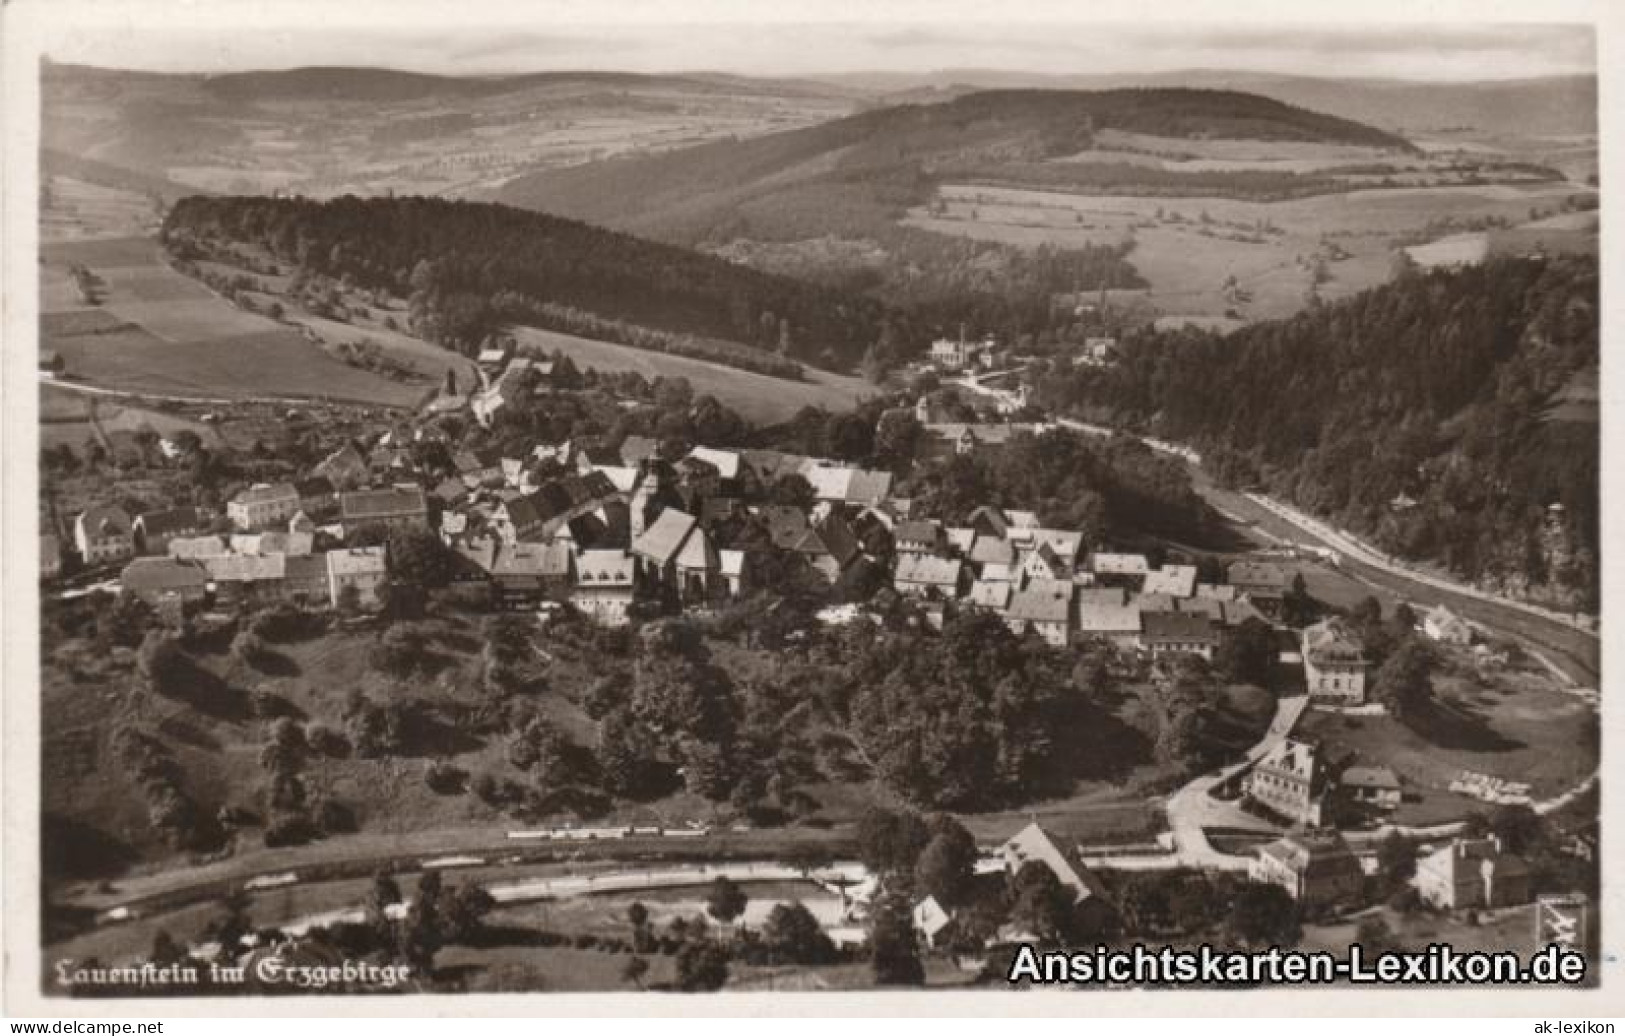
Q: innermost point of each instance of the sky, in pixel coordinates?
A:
(793, 37)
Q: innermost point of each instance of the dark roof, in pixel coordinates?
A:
(917, 532)
(1259, 575)
(1176, 626)
(156, 574)
(176, 519)
(786, 525)
(381, 503)
(318, 485)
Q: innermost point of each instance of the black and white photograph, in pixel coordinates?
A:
(906, 499)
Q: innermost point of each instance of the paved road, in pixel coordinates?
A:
(1193, 808)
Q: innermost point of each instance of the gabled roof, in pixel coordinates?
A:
(481, 554)
(356, 561)
(1064, 543)
(1258, 575)
(1174, 580)
(698, 553)
(1120, 564)
(1318, 855)
(1332, 641)
(540, 560)
(918, 531)
(282, 492)
(961, 539)
(985, 594)
(1104, 616)
(197, 547)
(1044, 600)
(1216, 591)
(661, 541)
(1176, 627)
(991, 550)
(163, 574)
(1294, 757)
(1378, 777)
(928, 570)
(1034, 844)
(176, 519)
(246, 568)
(725, 462)
(381, 503)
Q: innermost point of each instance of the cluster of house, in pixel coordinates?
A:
(1043, 581)
(1319, 870)
(271, 553)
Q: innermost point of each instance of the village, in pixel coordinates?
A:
(620, 533)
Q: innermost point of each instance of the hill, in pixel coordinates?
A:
(1443, 415)
(470, 268)
(1514, 107)
(872, 162)
(331, 131)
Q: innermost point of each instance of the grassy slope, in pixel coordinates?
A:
(184, 340)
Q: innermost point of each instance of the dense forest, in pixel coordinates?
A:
(1441, 415)
(469, 268)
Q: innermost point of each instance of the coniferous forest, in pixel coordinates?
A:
(1442, 415)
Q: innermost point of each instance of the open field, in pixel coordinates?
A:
(73, 209)
(757, 397)
(164, 334)
(1268, 247)
(1513, 724)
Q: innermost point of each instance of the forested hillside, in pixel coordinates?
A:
(1442, 415)
(865, 169)
(468, 268)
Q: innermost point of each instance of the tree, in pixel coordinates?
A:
(1520, 829)
(1298, 609)
(1263, 915)
(946, 867)
(165, 950)
(423, 931)
(418, 556)
(1040, 904)
(1396, 860)
(726, 900)
(163, 663)
(890, 842)
(634, 970)
(792, 935)
(1404, 683)
(1248, 654)
(702, 966)
(894, 955)
(384, 894)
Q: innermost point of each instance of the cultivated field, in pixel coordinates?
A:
(1187, 247)
(72, 209)
(757, 397)
(159, 333)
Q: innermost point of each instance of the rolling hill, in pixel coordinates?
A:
(470, 268)
(1513, 107)
(859, 171)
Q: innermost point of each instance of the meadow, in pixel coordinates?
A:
(757, 397)
(1187, 247)
(166, 335)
